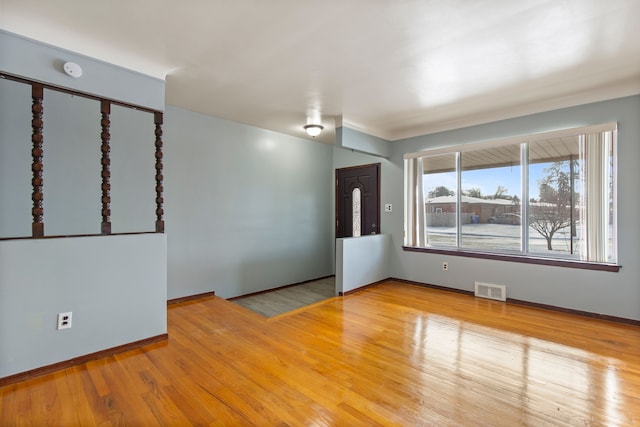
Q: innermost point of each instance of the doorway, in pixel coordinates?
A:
(358, 200)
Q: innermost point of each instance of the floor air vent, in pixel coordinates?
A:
(488, 290)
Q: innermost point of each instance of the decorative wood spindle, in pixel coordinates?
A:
(105, 136)
(37, 196)
(159, 199)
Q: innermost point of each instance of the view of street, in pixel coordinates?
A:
(499, 236)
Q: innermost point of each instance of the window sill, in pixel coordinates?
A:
(517, 258)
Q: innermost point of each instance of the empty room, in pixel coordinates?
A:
(319, 214)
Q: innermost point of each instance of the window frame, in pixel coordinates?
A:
(496, 254)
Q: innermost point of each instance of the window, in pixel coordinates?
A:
(356, 214)
(544, 196)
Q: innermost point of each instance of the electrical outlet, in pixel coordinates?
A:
(388, 207)
(445, 266)
(64, 320)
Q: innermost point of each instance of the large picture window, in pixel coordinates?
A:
(550, 195)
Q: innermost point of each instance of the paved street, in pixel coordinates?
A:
(499, 235)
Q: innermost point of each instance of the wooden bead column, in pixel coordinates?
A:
(37, 211)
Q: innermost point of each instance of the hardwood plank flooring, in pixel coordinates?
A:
(279, 301)
(393, 354)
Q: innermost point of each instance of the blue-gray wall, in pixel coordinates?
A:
(115, 286)
(614, 294)
(351, 139)
(41, 62)
(246, 209)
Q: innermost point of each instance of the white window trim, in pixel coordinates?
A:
(532, 138)
(483, 145)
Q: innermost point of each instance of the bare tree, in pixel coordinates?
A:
(552, 212)
(501, 193)
(440, 191)
(473, 192)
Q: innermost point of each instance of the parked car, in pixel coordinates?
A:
(505, 218)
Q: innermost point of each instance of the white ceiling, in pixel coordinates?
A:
(394, 69)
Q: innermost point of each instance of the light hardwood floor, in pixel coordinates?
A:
(393, 354)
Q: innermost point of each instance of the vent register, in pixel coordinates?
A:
(490, 291)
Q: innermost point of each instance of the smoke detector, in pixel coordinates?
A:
(72, 69)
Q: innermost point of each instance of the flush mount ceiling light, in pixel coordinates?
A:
(313, 130)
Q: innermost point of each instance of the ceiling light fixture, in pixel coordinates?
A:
(313, 130)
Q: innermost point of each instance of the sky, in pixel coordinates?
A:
(488, 180)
